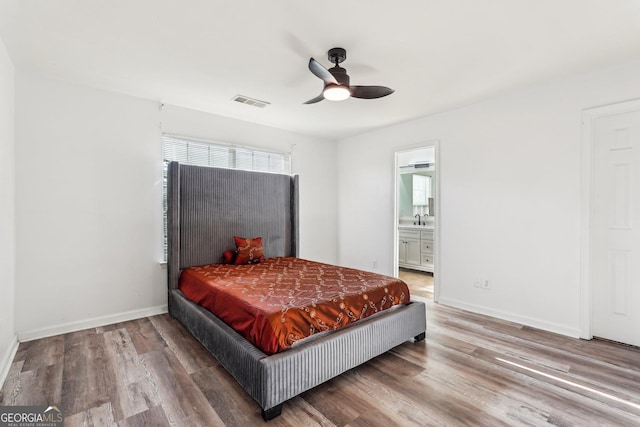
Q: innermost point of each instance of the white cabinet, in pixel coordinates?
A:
(416, 249)
(426, 250)
(409, 246)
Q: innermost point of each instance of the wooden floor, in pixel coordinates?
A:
(420, 283)
(470, 370)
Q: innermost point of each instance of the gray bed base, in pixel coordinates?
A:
(206, 208)
(272, 380)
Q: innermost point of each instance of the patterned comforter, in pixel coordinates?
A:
(283, 300)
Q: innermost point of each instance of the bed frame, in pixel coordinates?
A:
(206, 208)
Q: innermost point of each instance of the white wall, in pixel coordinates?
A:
(8, 342)
(88, 205)
(510, 197)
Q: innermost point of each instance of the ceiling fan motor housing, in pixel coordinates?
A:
(341, 75)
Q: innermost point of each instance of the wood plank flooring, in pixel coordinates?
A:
(420, 283)
(470, 370)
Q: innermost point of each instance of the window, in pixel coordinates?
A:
(208, 153)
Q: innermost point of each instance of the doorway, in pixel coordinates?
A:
(416, 219)
(610, 307)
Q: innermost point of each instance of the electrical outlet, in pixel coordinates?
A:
(482, 284)
(374, 264)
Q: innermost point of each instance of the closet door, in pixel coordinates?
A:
(615, 245)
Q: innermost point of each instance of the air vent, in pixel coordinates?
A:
(250, 101)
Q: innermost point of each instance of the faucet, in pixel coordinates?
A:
(418, 215)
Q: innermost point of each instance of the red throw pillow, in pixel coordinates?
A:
(249, 250)
(228, 257)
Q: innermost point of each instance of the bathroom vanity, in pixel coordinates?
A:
(415, 246)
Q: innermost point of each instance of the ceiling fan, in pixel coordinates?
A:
(336, 81)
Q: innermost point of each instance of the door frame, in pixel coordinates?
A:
(587, 203)
(436, 221)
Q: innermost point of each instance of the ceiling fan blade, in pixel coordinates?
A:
(316, 99)
(319, 71)
(370, 92)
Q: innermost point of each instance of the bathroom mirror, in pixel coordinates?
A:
(417, 189)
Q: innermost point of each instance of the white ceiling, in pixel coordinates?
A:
(436, 54)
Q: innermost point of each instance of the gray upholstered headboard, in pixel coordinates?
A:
(208, 206)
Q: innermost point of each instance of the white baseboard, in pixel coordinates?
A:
(7, 359)
(90, 323)
(513, 317)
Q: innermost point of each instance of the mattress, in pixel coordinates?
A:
(283, 300)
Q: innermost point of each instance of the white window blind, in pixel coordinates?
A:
(192, 151)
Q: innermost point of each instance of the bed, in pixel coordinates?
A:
(206, 207)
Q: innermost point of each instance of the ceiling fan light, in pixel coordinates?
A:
(335, 92)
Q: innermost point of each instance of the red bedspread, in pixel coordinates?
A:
(278, 302)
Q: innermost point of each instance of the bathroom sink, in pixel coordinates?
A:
(415, 227)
